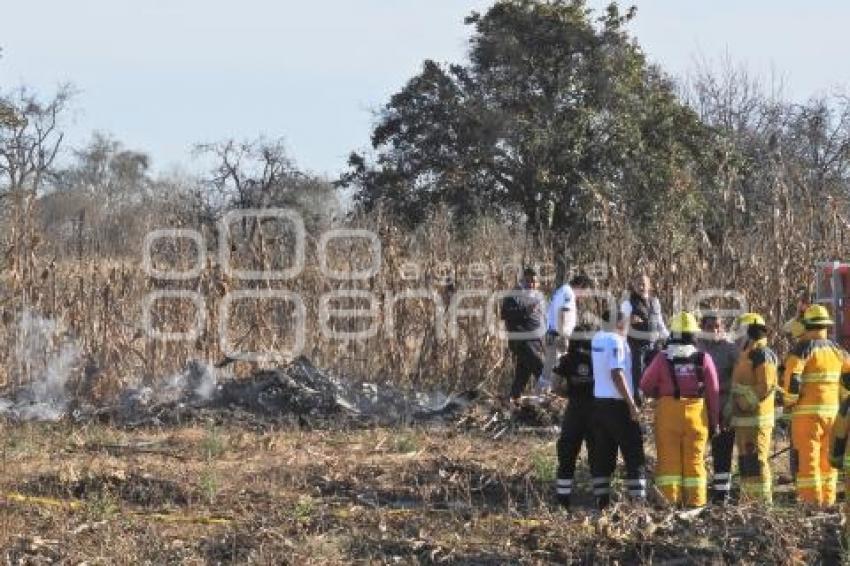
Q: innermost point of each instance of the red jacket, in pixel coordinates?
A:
(657, 380)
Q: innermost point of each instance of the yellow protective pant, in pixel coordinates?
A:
(815, 478)
(753, 443)
(681, 435)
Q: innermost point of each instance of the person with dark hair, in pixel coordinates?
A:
(684, 380)
(753, 390)
(615, 417)
(523, 313)
(646, 328)
(814, 373)
(724, 353)
(561, 317)
(574, 379)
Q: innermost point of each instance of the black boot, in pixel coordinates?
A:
(719, 497)
(563, 491)
(602, 491)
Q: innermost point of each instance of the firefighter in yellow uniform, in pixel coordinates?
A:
(754, 381)
(685, 382)
(811, 383)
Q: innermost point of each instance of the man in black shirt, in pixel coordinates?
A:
(575, 376)
(524, 314)
(642, 311)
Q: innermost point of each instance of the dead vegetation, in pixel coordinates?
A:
(272, 468)
(97, 304)
(409, 495)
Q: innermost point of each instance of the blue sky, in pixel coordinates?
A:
(162, 75)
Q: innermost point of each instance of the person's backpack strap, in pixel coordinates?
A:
(677, 393)
(699, 366)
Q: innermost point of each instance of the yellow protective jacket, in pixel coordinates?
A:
(754, 382)
(814, 372)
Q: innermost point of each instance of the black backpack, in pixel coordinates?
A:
(698, 360)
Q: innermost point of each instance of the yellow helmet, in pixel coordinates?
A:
(751, 319)
(684, 323)
(817, 315)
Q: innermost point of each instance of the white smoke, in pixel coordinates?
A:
(205, 388)
(44, 360)
(196, 384)
(198, 380)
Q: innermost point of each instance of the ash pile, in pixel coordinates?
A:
(297, 394)
(48, 362)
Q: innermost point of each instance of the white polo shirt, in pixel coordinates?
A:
(610, 351)
(563, 299)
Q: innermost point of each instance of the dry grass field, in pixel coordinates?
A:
(219, 494)
(221, 491)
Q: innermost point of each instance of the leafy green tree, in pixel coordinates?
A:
(557, 119)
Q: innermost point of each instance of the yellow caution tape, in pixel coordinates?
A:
(168, 518)
(184, 518)
(47, 501)
(531, 523)
(399, 511)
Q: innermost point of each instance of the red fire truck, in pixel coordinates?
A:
(833, 291)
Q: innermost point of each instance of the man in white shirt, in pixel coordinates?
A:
(561, 317)
(615, 416)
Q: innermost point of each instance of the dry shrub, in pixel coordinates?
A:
(99, 302)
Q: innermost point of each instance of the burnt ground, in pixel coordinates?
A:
(475, 492)
(296, 466)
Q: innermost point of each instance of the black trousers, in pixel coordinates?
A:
(528, 360)
(575, 431)
(721, 456)
(613, 431)
(639, 349)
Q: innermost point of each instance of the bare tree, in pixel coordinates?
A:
(30, 139)
(259, 174)
(247, 173)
